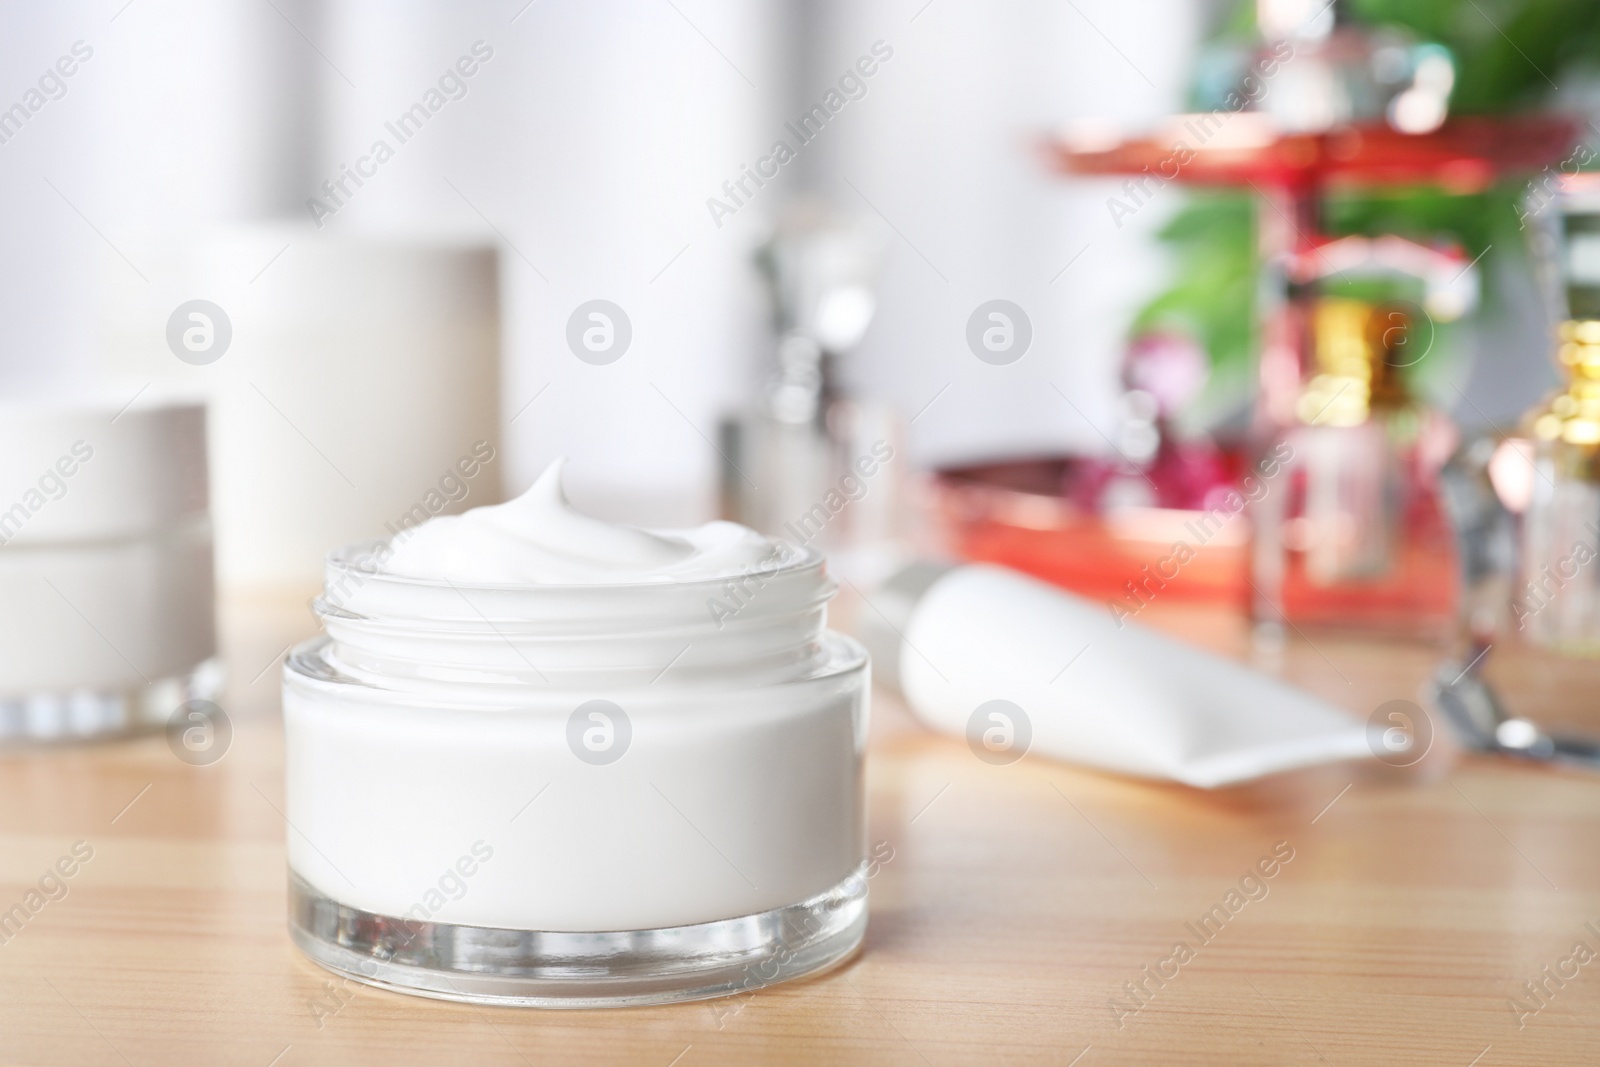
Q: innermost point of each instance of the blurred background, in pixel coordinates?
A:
(1088, 272)
(586, 150)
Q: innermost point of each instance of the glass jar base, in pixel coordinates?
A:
(546, 969)
(96, 715)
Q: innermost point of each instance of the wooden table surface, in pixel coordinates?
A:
(1018, 902)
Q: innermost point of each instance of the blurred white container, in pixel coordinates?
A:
(359, 384)
(105, 564)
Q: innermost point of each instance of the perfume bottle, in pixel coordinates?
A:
(1316, 67)
(1557, 601)
(1348, 525)
(809, 463)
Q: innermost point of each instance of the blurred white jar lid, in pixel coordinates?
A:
(99, 464)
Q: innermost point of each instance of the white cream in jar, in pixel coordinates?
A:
(539, 758)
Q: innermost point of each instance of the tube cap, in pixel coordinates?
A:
(882, 626)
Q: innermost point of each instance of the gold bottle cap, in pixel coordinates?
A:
(1355, 345)
(1573, 416)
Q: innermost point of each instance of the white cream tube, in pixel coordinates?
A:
(1014, 664)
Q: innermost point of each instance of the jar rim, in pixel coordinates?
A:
(347, 559)
(393, 625)
(356, 588)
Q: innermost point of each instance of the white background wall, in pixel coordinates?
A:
(186, 113)
(945, 148)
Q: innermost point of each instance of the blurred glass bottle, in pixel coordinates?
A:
(809, 463)
(1316, 67)
(1350, 532)
(1557, 602)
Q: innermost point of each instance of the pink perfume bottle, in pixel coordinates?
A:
(1351, 533)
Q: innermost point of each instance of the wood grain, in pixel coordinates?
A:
(1018, 901)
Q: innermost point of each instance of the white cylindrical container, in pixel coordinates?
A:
(358, 381)
(635, 788)
(105, 565)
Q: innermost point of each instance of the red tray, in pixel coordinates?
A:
(1242, 148)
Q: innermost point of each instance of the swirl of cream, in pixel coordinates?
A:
(539, 539)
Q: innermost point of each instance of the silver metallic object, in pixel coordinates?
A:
(1486, 542)
(808, 463)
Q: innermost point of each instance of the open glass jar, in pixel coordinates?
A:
(576, 795)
